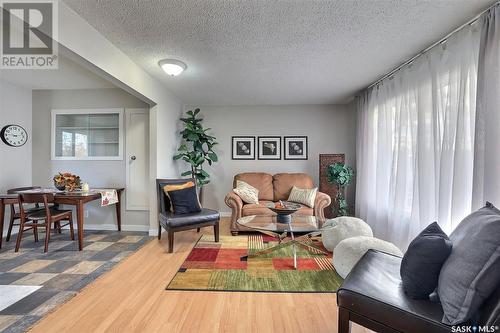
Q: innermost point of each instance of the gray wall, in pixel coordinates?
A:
(96, 173)
(330, 129)
(15, 162)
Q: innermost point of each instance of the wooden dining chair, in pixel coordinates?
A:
(42, 218)
(14, 215)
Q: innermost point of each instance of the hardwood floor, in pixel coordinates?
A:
(132, 298)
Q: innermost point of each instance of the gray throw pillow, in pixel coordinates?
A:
(472, 271)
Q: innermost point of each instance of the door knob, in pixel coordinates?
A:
(133, 158)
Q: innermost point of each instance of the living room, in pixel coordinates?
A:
(213, 166)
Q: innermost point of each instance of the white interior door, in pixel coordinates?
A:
(137, 156)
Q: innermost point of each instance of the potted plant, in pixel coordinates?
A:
(196, 149)
(341, 176)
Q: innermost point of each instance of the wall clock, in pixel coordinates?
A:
(14, 135)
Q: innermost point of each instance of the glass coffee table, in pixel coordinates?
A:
(306, 226)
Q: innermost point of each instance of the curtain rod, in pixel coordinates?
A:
(442, 40)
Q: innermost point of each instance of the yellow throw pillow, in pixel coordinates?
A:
(247, 192)
(305, 196)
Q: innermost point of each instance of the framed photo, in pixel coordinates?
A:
(295, 147)
(243, 148)
(269, 147)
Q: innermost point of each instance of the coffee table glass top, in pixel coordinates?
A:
(300, 223)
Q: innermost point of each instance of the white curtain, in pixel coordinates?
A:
(415, 142)
(487, 142)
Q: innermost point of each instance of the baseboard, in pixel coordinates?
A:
(225, 214)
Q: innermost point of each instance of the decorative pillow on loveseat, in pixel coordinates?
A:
(305, 196)
(183, 198)
(247, 192)
(472, 271)
(423, 260)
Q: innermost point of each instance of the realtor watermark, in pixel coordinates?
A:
(474, 329)
(29, 31)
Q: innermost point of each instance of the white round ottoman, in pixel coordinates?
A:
(344, 227)
(350, 250)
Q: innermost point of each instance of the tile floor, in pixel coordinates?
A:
(33, 283)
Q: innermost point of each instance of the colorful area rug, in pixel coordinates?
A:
(220, 267)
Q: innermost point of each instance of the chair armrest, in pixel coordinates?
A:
(322, 201)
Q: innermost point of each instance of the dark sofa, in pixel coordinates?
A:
(372, 296)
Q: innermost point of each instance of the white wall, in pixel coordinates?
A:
(96, 173)
(79, 37)
(330, 129)
(15, 163)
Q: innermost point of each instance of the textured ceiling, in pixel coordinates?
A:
(249, 52)
(69, 75)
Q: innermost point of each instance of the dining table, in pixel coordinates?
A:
(76, 198)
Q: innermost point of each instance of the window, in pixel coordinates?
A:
(87, 134)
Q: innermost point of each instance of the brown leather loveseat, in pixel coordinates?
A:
(271, 189)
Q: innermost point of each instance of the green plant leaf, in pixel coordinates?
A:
(213, 157)
(186, 173)
(192, 137)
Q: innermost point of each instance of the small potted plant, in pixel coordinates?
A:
(341, 176)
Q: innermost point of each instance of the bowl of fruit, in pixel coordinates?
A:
(284, 209)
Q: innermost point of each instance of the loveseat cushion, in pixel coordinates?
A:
(260, 180)
(257, 209)
(373, 289)
(283, 183)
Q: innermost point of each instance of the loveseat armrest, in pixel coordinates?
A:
(322, 201)
(234, 202)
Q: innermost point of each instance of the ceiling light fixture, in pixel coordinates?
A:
(172, 67)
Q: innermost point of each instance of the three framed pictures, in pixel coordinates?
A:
(269, 148)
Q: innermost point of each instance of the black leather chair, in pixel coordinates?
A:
(178, 222)
(372, 296)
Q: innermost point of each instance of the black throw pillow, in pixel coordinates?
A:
(183, 198)
(423, 260)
